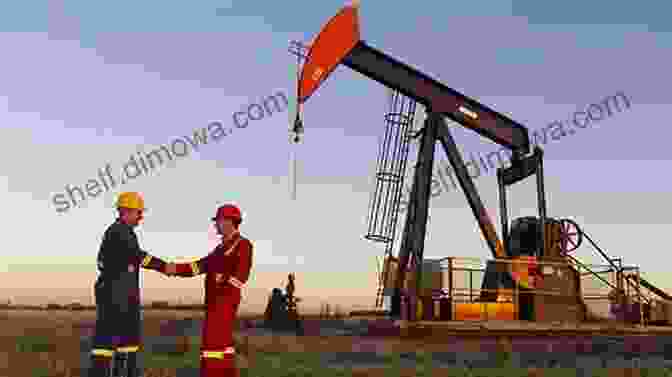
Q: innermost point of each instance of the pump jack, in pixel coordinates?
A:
(339, 43)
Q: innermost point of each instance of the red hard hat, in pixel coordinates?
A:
(228, 211)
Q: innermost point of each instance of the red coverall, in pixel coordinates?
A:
(227, 269)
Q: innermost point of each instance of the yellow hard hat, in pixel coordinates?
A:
(132, 200)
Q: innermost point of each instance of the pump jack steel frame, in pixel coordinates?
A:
(339, 43)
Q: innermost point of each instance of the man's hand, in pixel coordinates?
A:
(171, 269)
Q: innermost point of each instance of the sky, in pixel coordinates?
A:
(86, 85)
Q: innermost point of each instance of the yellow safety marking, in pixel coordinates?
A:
(217, 354)
(194, 268)
(102, 352)
(128, 349)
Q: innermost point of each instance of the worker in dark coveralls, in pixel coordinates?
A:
(227, 269)
(118, 326)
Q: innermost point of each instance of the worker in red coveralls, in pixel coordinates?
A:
(227, 269)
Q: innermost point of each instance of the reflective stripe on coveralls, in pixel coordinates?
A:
(235, 282)
(218, 354)
(102, 352)
(128, 349)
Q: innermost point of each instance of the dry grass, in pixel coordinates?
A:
(161, 372)
(60, 356)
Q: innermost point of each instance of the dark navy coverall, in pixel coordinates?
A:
(117, 293)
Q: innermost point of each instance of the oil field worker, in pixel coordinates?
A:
(118, 326)
(227, 269)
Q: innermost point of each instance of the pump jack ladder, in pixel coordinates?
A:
(339, 43)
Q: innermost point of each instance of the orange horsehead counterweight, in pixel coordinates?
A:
(339, 43)
(338, 37)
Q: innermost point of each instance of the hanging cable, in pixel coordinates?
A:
(296, 130)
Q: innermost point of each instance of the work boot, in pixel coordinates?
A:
(219, 368)
(101, 366)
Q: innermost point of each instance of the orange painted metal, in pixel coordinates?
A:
(523, 271)
(333, 43)
(484, 311)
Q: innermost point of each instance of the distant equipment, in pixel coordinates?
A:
(281, 311)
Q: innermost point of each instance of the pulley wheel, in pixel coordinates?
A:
(570, 236)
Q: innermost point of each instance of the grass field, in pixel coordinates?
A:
(43, 344)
